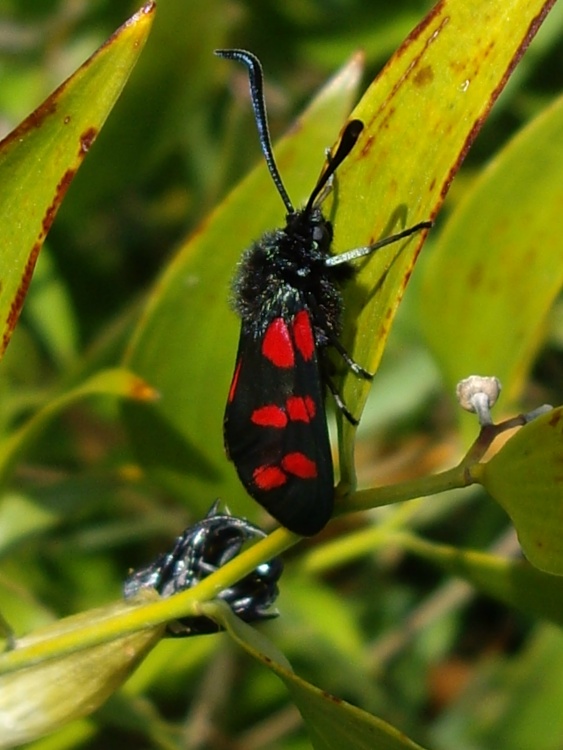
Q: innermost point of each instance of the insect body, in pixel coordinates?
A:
(201, 550)
(287, 294)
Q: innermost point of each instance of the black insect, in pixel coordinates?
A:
(287, 294)
(201, 550)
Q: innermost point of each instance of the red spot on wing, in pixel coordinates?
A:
(269, 416)
(296, 464)
(299, 465)
(300, 409)
(269, 477)
(234, 382)
(303, 335)
(277, 345)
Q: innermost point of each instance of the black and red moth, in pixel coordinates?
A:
(287, 294)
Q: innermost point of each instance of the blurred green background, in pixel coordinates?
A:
(78, 513)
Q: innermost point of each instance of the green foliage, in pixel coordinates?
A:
(114, 381)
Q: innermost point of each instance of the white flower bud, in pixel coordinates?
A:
(478, 394)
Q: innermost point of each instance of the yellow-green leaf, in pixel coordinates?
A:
(421, 113)
(39, 159)
(41, 698)
(526, 478)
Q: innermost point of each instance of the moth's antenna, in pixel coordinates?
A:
(347, 142)
(256, 80)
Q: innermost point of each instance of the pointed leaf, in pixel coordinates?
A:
(39, 159)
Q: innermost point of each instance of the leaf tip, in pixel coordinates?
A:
(140, 390)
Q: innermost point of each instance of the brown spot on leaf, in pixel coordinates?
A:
(17, 302)
(32, 121)
(366, 148)
(423, 76)
(426, 21)
(51, 212)
(464, 149)
(475, 277)
(488, 49)
(387, 108)
(332, 698)
(87, 139)
(555, 418)
(406, 277)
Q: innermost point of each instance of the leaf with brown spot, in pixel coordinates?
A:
(421, 114)
(39, 159)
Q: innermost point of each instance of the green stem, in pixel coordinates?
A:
(142, 615)
(138, 616)
(464, 474)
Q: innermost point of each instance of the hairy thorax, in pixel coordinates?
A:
(286, 271)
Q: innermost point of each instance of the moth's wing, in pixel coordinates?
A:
(275, 425)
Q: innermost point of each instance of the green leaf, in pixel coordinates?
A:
(525, 477)
(497, 269)
(513, 582)
(332, 724)
(186, 342)
(39, 159)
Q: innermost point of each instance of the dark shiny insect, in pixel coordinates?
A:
(287, 294)
(201, 550)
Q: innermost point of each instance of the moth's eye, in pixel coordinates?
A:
(319, 234)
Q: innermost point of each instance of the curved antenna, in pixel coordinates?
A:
(347, 142)
(256, 80)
